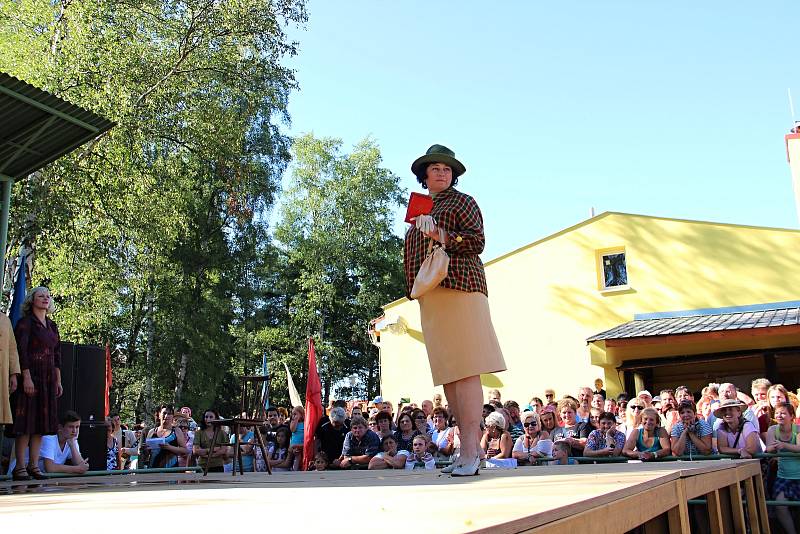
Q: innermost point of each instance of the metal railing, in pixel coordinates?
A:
(193, 469)
(538, 461)
(684, 457)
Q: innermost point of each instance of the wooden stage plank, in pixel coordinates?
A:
(503, 501)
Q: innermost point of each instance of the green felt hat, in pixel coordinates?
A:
(438, 154)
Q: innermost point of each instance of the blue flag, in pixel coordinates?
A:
(15, 313)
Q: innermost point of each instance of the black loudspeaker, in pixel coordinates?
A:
(67, 399)
(83, 377)
(92, 443)
(90, 383)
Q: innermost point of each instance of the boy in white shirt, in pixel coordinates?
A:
(60, 452)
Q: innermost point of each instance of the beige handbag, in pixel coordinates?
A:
(432, 271)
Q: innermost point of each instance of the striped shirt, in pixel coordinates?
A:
(458, 214)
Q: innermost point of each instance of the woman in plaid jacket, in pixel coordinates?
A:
(459, 336)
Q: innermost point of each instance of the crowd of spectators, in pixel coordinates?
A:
(717, 420)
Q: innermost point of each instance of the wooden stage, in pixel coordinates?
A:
(592, 498)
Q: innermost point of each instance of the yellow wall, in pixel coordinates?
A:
(545, 300)
(793, 153)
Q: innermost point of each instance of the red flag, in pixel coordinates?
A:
(108, 378)
(313, 407)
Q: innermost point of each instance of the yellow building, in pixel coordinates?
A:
(636, 300)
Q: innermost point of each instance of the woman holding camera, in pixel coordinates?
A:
(690, 435)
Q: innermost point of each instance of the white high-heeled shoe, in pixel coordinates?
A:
(467, 470)
(449, 468)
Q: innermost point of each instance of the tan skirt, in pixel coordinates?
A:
(459, 335)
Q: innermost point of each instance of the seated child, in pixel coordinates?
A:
(561, 452)
(320, 462)
(420, 458)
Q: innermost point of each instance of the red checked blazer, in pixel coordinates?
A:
(458, 214)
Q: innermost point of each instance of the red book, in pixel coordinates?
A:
(418, 204)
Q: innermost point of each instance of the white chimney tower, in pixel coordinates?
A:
(793, 154)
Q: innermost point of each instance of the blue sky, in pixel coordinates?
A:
(671, 109)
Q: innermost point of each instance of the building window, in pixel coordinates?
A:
(614, 270)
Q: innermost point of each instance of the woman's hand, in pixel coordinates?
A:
(427, 225)
(27, 386)
(59, 389)
(424, 223)
(12, 384)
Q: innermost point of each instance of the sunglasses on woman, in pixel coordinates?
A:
(532, 423)
(635, 407)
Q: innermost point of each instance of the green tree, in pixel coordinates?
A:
(342, 261)
(168, 211)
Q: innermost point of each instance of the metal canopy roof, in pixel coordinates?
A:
(723, 319)
(37, 127)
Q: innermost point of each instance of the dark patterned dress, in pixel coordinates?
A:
(112, 455)
(39, 347)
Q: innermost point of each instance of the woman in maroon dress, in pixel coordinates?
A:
(35, 407)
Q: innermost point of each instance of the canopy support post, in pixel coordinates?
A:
(7, 184)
